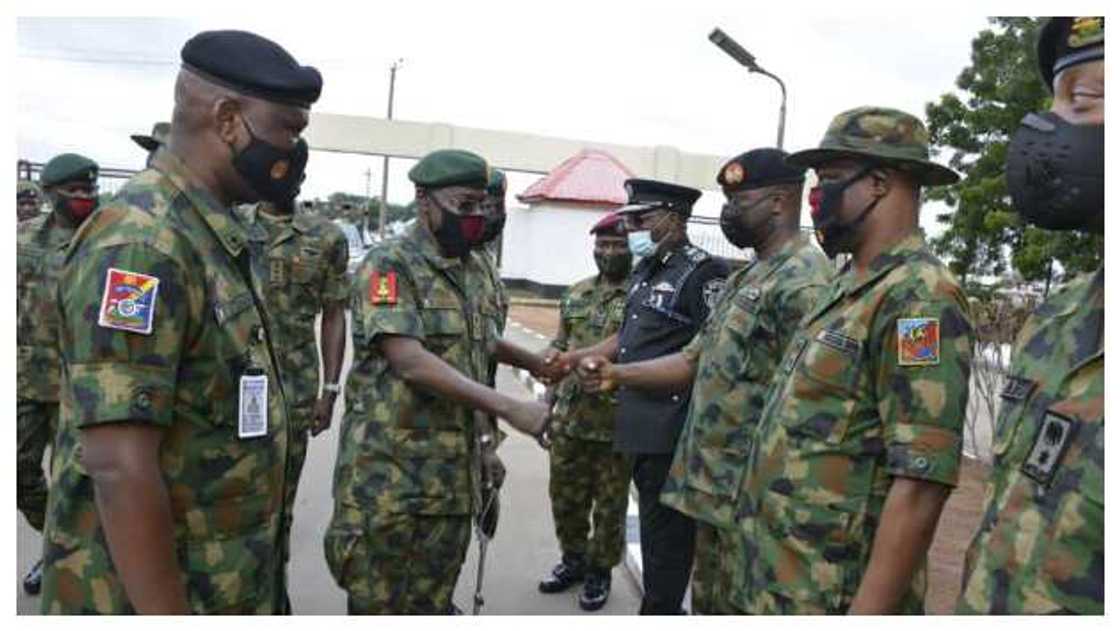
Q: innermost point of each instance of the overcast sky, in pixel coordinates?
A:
(642, 74)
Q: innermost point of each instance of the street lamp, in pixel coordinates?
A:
(739, 54)
(385, 163)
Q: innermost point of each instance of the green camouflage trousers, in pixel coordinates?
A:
(713, 569)
(589, 485)
(35, 423)
(399, 563)
(297, 455)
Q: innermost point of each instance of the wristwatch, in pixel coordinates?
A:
(331, 387)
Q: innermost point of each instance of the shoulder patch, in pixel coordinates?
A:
(129, 301)
(712, 290)
(383, 288)
(919, 341)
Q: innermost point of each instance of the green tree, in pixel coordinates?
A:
(973, 126)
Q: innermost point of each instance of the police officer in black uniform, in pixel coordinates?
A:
(671, 291)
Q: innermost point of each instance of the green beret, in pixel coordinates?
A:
(26, 188)
(497, 183)
(66, 168)
(450, 167)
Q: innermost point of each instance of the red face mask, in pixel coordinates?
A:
(473, 227)
(815, 196)
(77, 207)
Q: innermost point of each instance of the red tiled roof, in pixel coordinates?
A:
(590, 176)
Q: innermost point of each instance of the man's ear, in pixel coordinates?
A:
(226, 111)
(882, 180)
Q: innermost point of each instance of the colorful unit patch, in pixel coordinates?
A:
(129, 302)
(383, 288)
(919, 341)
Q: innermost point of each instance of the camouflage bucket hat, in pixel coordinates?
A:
(151, 142)
(885, 135)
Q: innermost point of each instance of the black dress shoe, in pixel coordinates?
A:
(33, 582)
(596, 590)
(567, 572)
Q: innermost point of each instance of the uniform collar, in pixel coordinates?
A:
(221, 219)
(776, 260)
(896, 255)
(429, 247)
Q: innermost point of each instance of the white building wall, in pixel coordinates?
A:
(549, 243)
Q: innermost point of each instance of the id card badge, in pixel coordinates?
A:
(252, 408)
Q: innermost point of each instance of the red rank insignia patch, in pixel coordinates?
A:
(919, 341)
(383, 288)
(129, 301)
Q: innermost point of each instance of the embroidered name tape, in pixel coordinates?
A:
(129, 301)
(919, 341)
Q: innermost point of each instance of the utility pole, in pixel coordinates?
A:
(366, 227)
(385, 163)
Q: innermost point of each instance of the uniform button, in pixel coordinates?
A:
(143, 400)
(634, 317)
(622, 351)
(921, 463)
(644, 283)
(676, 397)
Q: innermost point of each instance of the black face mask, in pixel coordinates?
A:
(614, 266)
(1055, 173)
(731, 223)
(495, 223)
(826, 200)
(273, 173)
(457, 234)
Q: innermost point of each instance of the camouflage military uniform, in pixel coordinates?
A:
(40, 248)
(226, 493)
(405, 474)
(1040, 546)
(588, 481)
(736, 355)
(873, 385)
(305, 262)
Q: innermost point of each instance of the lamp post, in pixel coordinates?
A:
(739, 54)
(385, 163)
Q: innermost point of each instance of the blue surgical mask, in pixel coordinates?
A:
(641, 243)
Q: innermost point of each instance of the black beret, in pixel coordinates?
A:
(758, 168)
(252, 65)
(644, 195)
(1065, 42)
(68, 167)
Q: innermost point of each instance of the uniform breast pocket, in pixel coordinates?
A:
(1069, 452)
(826, 386)
(234, 345)
(740, 330)
(444, 328)
(1012, 404)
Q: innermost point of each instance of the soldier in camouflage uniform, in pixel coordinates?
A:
(1040, 545)
(405, 479)
(153, 141)
(858, 443)
(304, 257)
(734, 357)
(28, 202)
(589, 482)
(169, 465)
(71, 182)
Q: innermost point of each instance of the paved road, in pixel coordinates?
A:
(523, 549)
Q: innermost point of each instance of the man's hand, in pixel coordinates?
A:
(555, 366)
(529, 417)
(493, 470)
(323, 413)
(596, 374)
